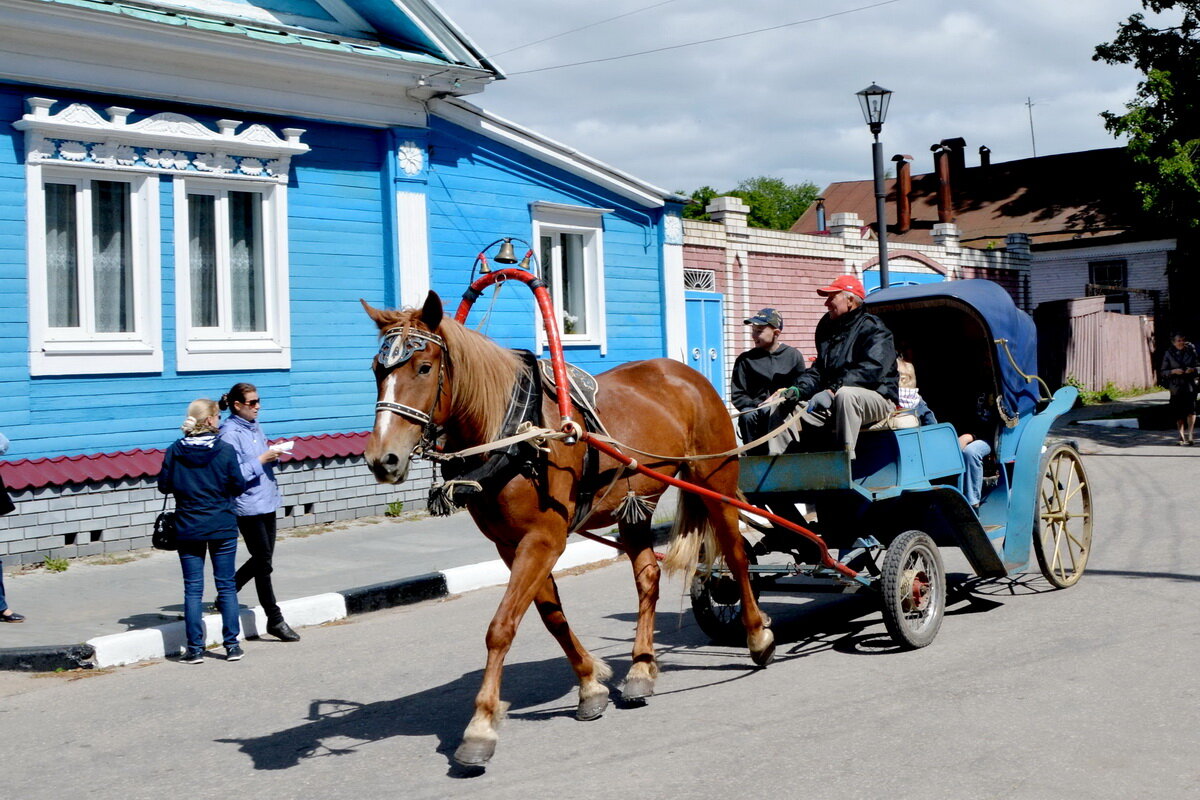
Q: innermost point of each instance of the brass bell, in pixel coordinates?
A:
(506, 255)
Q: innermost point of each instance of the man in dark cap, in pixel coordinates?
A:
(854, 382)
(760, 371)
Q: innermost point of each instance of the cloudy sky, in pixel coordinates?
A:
(781, 102)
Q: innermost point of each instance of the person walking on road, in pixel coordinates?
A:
(1179, 370)
(203, 474)
(256, 507)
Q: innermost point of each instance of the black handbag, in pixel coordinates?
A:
(164, 537)
(6, 504)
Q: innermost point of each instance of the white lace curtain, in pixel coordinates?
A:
(62, 256)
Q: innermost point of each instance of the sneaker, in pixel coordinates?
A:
(234, 653)
(192, 657)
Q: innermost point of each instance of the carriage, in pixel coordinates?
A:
(890, 510)
(449, 394)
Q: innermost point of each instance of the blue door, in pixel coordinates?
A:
(705, 317)
(899, 278)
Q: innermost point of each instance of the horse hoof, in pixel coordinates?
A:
(637, 690)
(592, 707)
(475, 752)
(765, 655)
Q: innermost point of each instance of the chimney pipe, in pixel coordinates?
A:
(822, 227)
(985, 156)
(903, 193)
(941, 166)
(957, 148)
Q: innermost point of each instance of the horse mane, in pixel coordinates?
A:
(482, 373)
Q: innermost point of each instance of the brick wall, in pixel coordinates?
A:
(118, 515)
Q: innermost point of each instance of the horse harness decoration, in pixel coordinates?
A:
(397, 347)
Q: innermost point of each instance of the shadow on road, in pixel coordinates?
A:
(339, 727)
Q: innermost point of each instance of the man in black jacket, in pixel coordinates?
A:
(854, 381)
(759, 372)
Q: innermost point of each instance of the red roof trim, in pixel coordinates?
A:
(62, 470)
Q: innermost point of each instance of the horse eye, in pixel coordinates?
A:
(424, 369)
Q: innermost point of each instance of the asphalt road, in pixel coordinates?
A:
(1026, 693)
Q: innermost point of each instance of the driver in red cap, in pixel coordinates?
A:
(853, 382)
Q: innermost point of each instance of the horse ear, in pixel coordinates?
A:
(378, 315)
(431, 312)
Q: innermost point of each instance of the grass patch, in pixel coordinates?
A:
(1109, 393)
(394, 508)
(55, 564)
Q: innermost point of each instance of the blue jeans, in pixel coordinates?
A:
(191, 559)
(973, 455)
(3, 602)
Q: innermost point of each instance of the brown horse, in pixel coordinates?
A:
(437, 373)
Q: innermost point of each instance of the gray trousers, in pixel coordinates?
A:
(853, 409)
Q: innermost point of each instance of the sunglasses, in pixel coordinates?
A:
(253, 402)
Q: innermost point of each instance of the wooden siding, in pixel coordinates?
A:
(480, 190)
(1064, 275)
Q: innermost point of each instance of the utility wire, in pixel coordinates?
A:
(580, 28)
(707, 41)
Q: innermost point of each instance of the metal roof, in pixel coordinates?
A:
(61, 470)
(284, 35)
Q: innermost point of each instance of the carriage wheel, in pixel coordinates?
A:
(1062, 535)
(717, 601)
(914, 590)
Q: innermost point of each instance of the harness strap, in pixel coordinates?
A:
(408, 412)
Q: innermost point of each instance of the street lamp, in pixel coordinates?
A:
(874, 102)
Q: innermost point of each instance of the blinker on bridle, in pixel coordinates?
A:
(398, 347)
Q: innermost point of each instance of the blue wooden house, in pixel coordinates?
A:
(195, 193)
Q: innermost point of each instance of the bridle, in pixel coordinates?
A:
(397, 347)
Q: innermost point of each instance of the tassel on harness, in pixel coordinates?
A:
(445, 497)
(633, 508)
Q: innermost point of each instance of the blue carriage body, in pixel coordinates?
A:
(969, 342)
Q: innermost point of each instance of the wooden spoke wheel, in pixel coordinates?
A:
(1062, 531)
(914, 589)
(717, 601)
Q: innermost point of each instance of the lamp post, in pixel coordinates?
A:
(874, 102)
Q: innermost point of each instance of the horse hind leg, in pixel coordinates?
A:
(759, 638)
(639, 683)
(590, 671)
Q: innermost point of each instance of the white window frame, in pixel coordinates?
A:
(82, 350)
(222, 348)
(551, 218)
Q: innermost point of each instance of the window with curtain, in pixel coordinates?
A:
(231, 279)
(569, 241)
(226, 270)
(564, 262)
(88, 254)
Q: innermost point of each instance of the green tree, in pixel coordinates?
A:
(773, 202)
(1162, 122)
(700, 200)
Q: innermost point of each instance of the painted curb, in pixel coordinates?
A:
(129, 647)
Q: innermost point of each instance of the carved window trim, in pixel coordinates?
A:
(163, 143)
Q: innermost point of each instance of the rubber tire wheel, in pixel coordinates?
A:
(1058, 531)
(717, 603)
(913, 549)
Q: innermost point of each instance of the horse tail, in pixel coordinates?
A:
(692, 538)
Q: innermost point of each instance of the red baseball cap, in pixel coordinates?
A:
(845, 283)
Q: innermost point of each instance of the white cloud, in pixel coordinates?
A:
(781, 103)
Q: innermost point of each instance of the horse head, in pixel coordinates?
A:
(410, 376)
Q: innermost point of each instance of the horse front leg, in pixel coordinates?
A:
(759, 638)
(530, 564)
(590, 671)
(639, 683)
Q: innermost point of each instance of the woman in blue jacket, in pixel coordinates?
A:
(256, 506)
(203, 474)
